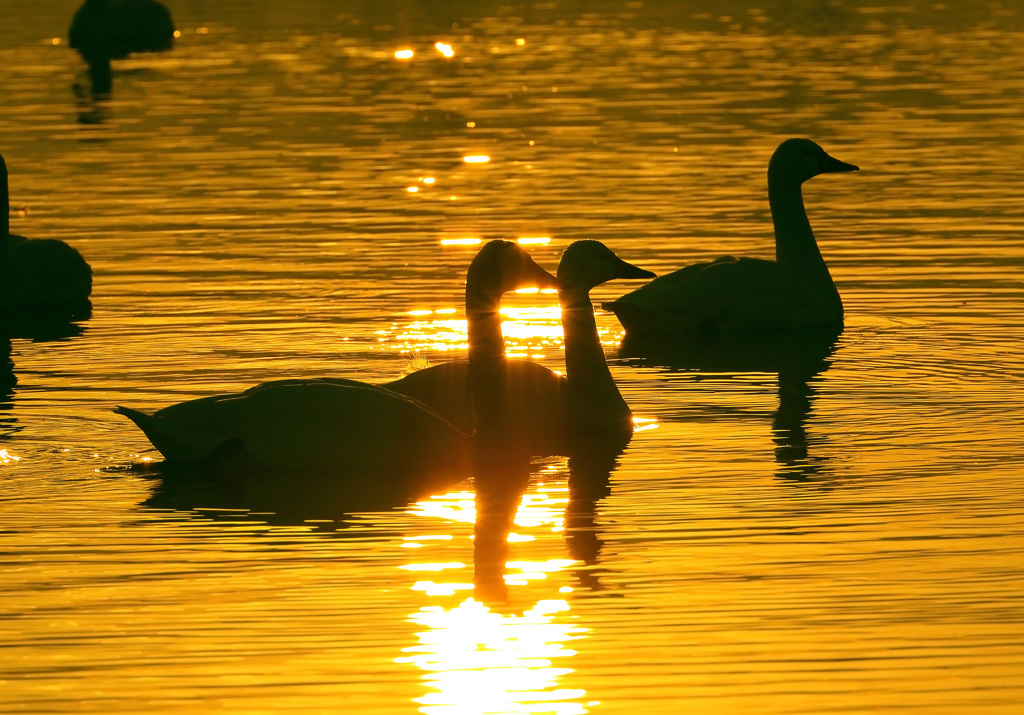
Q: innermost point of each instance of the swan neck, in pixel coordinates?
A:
(483, 322)
(795, 245)
(5, 203)
(794, 240)
(590, 381)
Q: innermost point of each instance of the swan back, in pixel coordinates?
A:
(114, 29)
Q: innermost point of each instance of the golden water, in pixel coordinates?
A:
(246, 204)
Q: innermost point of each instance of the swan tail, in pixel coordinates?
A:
(180, 443)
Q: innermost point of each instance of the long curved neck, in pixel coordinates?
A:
(591, 386)
(795, 246)
(483, 317)
(487, 385)
(5, 228)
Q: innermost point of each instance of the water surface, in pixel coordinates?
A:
(806, 528)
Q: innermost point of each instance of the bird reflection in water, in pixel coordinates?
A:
(796, 356)
(513, 626)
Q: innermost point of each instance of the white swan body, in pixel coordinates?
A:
(38, 273)
(548, 407)
(330, 425)
(748, 294)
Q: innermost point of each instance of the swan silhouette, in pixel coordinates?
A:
(39, 274)
(105, 30)
(332, 425)
(748, 294)
(546, 408)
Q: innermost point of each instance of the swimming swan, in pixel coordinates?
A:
(104, 30)
(38, 274)
(548, 407)
(741, 294)
(331, 425)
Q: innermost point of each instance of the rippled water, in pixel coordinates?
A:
(805, 529)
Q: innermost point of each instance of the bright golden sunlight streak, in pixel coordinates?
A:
(404, 54)
(643, 424)
(476, 658)
(529, 330)
(480, 661)
(444, 49)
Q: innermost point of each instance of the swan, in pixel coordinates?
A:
(332, 424)
(39, 274)
(746, 294)
(546, 406)
(104, 30)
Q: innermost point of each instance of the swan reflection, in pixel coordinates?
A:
(798, 357)
(485, 570)
(507, 647)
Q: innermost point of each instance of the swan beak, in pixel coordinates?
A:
(831, 165)
(628, 270)
(543, 279)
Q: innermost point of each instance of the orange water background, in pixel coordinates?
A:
(282, 196)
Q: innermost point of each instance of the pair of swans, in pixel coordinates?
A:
(38, 275)
(436, 420)
(736, 295)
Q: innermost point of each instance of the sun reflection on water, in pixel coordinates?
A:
(481, 661)
(528, 329)
(497, 658)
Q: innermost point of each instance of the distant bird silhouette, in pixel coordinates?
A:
(105, 30)
(749, 294)
(552, 410)
(38, 274)
(340, 426)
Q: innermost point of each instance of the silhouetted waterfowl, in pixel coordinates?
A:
(548, 407)
(334, 425)
(105, 30)
(743, 294)
(39, 274)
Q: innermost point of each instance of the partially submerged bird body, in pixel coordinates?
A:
(38, 274)
(548, 411)
(726, 295)
(340, 426)
(45, 273)
(105, 30)
(305, 425)
(749, 294)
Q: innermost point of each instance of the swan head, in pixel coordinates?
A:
(797, 160)
(503, 266)
(586, 264)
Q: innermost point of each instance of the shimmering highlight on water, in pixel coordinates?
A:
(831, 527)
